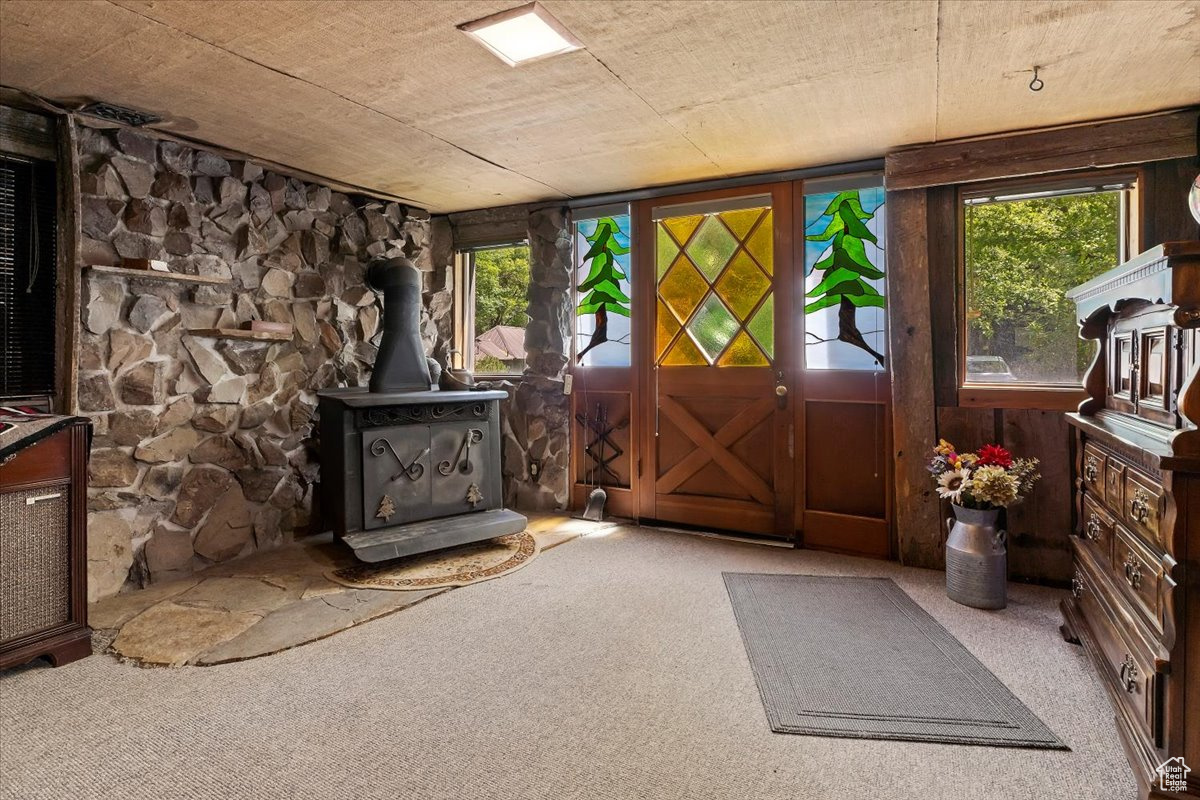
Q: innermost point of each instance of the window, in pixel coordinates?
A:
(845, 295)
(1024, 247)
(714, 263)
(602, 287)
(28, 259)
(492, 294)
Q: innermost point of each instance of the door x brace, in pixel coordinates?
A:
(715, 447)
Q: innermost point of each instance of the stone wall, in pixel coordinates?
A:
(535, 419)
(204, 447)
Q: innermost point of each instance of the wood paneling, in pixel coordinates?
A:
(1018, 397)
(846, 459)
(1098, 144)
(910, 344)
(944, 249)
(1164, 202)
(1038, 526)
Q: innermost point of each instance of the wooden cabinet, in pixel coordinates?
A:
(1135, 604)
(43, 550)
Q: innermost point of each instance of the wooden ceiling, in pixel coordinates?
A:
(390, 97)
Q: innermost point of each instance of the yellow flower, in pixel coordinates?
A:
(994, 485)
(969, 459)
(943, 448)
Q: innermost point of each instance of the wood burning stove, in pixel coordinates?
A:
(407, 468)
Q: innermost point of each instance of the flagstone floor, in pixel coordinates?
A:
(266, 603)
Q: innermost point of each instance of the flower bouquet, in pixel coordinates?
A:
(986, 480)
(979, 485)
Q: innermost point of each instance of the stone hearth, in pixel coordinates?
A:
(204, 447)
(265, 603)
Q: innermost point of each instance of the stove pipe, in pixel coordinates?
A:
(400, 365)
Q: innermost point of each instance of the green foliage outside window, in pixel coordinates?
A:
(1021, 258)
(501, 283)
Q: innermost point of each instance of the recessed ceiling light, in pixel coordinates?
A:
(522, 34)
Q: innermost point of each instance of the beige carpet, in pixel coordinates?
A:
(609, 668)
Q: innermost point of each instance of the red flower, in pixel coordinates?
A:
(994, 455)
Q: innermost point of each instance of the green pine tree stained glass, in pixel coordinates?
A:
(711, 247)
(713, 327)
(762, 326)
(742, 285)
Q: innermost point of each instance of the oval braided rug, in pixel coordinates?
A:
(458, 566)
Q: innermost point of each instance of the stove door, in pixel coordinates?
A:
(397, 475)
(461, 462)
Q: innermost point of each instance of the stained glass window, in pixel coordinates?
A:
(845, 320)
(602, 290)
(715, 305)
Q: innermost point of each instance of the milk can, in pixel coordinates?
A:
(976, 558)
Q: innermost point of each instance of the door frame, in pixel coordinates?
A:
(646, 286)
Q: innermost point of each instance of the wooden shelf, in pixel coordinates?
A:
(155, 275)
(238, 333)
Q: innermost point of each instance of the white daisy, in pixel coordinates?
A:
(952, 483)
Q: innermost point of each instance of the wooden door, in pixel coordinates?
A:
(843, 390)
(714, 350)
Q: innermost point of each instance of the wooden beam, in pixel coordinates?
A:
(910, 347)
(1097, 144)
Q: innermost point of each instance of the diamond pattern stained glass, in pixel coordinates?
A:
(743, 353)
(740, 222)
(682, 227)
(666, 250)
(685, 354)
(742, 284)
(711, 248)
(713, 327)
(762, 326)
(683, 288)
(762, 246)
(665, 329)
(718, 289)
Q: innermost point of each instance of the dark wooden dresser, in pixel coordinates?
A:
(1135, 604)
(43, 545)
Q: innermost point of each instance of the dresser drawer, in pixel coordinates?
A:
(1142, 506)
(1127, 667)
(1093, 469)
(1097, 528)
(1139, 570)
(1114, 483)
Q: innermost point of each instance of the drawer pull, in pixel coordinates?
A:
(1093, 528)
(1133, 571)
(1129, 674)
(39, 498)
(1077, 585)
(1091, 469)
(1139, 507)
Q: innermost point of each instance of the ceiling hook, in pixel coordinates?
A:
(1037, 83)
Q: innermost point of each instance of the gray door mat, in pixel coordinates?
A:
(857, 658)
